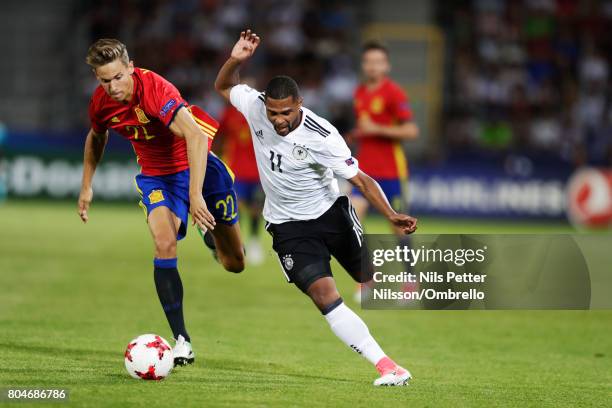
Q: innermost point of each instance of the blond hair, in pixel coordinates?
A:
(106, 50)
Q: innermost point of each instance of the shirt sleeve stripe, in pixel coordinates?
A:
(208, 132)
(204, 124)
(311, 122)
(314, 129)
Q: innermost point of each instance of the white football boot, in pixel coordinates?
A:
(396, 377)
(255, 252)
(362, 292)
(183, 353)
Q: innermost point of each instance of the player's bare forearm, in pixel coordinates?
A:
(373, 193)
(94, 149)
(228, 77)
(93, 152)
(405, 131)
(197, 154)
(228, 74)
(185, 126)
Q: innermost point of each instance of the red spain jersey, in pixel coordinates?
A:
(381, 157)
(145, 122)
(237, 145)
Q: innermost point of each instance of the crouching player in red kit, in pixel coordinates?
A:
(178, 175)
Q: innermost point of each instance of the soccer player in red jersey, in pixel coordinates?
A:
(179, 176)
(384, 120)
(235, 136)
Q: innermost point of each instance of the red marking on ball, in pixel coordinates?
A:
(149, 375)
(159, 345)
(128, 353)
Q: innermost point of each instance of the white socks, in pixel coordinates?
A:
(354, 333)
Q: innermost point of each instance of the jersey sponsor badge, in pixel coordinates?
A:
(349, 161)
(300, 152)
(288, 262)
(166, 108)
(405, 106)
(142, 118)
(156, 196)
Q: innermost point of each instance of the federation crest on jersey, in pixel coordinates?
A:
(142, 118)
(156, 196)
(288, 262)
(377, 105)
(300, 152)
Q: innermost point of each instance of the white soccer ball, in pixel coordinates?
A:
(149, 357)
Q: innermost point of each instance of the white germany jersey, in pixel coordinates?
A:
(297, 171)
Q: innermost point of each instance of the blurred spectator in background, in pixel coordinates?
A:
(3, 172)
(529, 77)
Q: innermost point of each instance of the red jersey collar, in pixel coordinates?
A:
(380, 86)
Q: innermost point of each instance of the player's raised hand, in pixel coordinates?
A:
(200, 214)
(85, 198)
(404, 222)
(246, 45)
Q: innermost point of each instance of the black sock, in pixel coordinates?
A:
(170, 291)
(254, 226)
(405, 240)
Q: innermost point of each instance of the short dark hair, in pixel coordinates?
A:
(374, 45)
(281, 87)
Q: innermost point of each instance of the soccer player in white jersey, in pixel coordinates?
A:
(298, 154)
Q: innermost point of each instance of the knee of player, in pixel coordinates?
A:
(322, 296)
(324, 300)
(234, 263)
(165, 246)
(235, 267)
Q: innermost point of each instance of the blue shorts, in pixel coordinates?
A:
(248, 191)
(172, 191)
(393, 191)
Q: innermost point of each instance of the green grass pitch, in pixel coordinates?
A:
(73, 295)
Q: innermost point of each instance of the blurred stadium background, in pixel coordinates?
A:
(514, 102)
(512, 97)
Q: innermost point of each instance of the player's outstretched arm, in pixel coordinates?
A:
(94, 149)
(228, 74)
(373, 193)
(183, 125)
